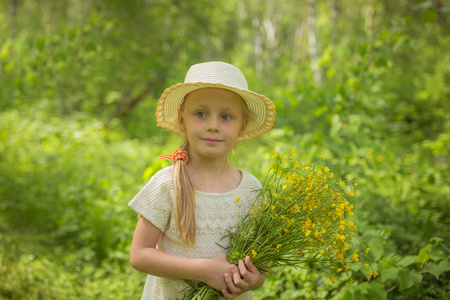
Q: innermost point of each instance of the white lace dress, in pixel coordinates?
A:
(216, 214)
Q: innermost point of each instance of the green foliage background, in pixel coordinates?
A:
(361, 85)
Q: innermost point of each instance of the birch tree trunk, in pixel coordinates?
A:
(312, 42)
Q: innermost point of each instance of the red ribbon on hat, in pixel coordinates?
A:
(178, 155)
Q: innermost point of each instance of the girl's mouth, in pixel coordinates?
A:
(213, 141)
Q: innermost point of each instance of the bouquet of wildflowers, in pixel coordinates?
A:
(299, 217)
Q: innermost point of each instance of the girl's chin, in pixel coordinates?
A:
(212, 153)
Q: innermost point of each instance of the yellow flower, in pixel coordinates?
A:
(237, 199)
(366, 266)
(345, 247)
(293, 152)
(330, 175)
(333, 279)
(296, 165)
(286, 230)
(356, 185)
(341, 182)
(338, 270)
(326, 170)
(307, 232)
(275, 195)
(254, 253)
(355, 257)
(369, 274)
(274, 153)
(273, 207)
(346, 267)
(367, 249)
(351, 194)
(279, 246)
(322, 252)
(375, 274)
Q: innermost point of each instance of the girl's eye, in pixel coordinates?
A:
(226, 117)
(200, 114)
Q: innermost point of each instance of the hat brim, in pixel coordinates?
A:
(261, 108)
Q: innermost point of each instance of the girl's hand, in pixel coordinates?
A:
(215, 270)
(244, 277)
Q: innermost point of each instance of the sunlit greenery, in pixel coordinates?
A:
(362, 86)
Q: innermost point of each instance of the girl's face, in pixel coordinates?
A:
(212, 119)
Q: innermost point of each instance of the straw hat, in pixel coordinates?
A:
(219, 75)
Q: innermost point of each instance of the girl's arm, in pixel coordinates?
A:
(146, 258)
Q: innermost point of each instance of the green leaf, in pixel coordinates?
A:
(362, 289)
(4, 51)
(330, 72)
(424, 256)
(148, 173)
(430, 15)
(390, 274)
(436, 240)
(348, 295)
(406, 281)
(438, 269)
(416, 276)
(376, 248)
(376, 291)
(362, 49)
(407, 260)
(438, 255)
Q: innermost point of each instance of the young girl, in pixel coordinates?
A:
(186, 209)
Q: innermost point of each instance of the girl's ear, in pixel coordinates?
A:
(181, 121)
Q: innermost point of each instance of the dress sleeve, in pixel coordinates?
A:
(154, 200)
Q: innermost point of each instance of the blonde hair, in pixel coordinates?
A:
(184, 201)
(184, 193)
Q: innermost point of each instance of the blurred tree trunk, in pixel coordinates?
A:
(312, 41)
(13, 6)
(296, 54)
(128, 103)
(368, 23)
(335, 10)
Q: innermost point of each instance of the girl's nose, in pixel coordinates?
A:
(213, 125)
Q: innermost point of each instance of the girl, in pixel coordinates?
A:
(186, 209)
